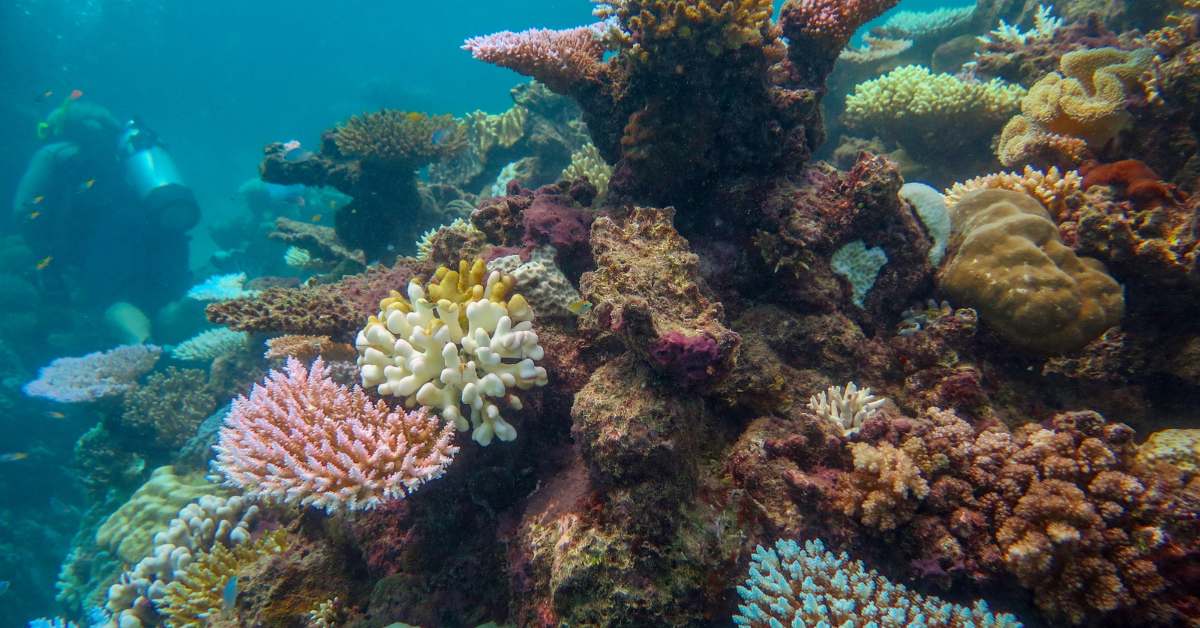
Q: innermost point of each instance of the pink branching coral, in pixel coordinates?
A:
(95, 375)
(303, 439)
(562, 59)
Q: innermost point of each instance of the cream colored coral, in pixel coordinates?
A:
(1007, 262)
(1057, 191)
(913, 93)
(586, 163)
(128, 533)
(889, 483)
(540, 281)
(456, 343)
(847, 407)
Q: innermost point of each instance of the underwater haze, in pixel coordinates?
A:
(631, 313)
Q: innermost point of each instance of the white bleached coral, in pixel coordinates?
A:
(210, 344)
(848, 407)
(458, 342)
(1044, 27)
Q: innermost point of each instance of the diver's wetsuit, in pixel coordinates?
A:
(74, 204)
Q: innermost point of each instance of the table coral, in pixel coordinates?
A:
(342, 451)
(316, 239)
(316, 311)
(459, 341)
(210, 344)
(649, 292)
(794, 585)
(306, 348)
(95, 375)
(1006, 260)
(913, 106)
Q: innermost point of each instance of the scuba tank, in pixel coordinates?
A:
(152, 175)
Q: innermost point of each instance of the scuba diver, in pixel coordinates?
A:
(105, 209)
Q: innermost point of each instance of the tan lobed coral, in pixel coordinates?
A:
(400, 138)
(129, 532)
(306, 348)
(1006, 261)
(1060, 192)
(198, 593)
(1081, 109)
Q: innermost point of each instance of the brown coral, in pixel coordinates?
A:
(317, 311)
(404, 139)
(306, 348)
(1005, 260)
(886, 486)
(169, 407)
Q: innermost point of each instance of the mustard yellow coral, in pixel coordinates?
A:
(1179, 448)
(404, 139)
(198, 592)
(1059, 192)
(1082, 105)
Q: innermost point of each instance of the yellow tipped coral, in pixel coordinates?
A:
(651, 27)
(586, 163)
(1081, 108)
(458, 341)
(403, 139)
(1059, 192)
(198, 593)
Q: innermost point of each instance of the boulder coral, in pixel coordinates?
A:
(1006, 260)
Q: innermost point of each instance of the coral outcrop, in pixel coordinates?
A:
(95, 375)
(650, 293)
(1006, 260)
(315, 311)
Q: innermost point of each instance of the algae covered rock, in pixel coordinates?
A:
(1007, 262)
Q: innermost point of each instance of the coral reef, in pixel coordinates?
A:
(459, 341)
(341, 450)
(790, 585)
(1006, 260)
(317, 240)
(650, 293)
(95, 375)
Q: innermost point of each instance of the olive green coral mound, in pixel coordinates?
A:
(1007, 262)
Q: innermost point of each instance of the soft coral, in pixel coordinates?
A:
(1134, 180)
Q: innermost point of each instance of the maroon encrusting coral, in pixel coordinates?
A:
(554, 215)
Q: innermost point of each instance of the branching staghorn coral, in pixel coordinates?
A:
(1069, 114)
(460, 341)
(198, 593)
(405, 140)
(302, 439)
(790, 585)
(847, 407)
(1044, 27)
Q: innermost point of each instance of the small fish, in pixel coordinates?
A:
(46, 95)
(229, 596)
(87, 185)
(33, 215)
(316, 218)
(55, 414)
(291, 145)
(44, 262)
(580, 307)
(13, 457)
(76, 94)
(37, 200)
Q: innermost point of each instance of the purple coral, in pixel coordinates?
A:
(562, 59)
(689, 359)
(95, 375)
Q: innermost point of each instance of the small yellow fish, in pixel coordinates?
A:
(33, 215)
(316, 217)
(87, 185)
(37, 200)
(13, 457)
(55, 414)
(580, 307)
(45, 261)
